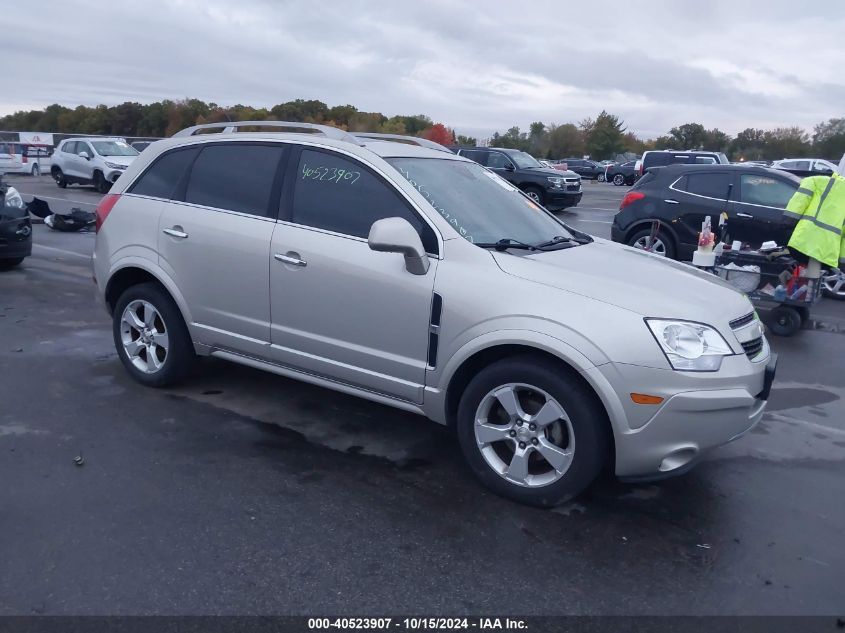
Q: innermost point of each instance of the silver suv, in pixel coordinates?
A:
(416, 278)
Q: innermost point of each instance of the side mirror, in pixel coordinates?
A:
(396, 235)
(510, 167)
(84, 155)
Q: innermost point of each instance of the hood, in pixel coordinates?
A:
(566, 173)
(120, 160)
(647, 284)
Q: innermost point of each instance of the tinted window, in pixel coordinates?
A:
(82, 146)
(235, 176)
(802, 165)
(4, 148)
(161, 178)
(656, 159)
(710, 185)
(705, 160)
(474, 154)
(337, 194)
(497, 160)
(763, 190)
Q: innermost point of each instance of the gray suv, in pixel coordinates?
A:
(415, 278)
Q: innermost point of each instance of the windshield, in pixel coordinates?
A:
(113, 148)
(525, 161)
(480, 206)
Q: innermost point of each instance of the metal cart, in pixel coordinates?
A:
(776, 287)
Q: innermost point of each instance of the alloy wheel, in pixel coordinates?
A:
(646, 243)
(524, 435)
(834, 283)
(533, 195)
(144, 336)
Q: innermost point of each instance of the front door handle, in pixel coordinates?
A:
(176, 231)
(670, 201)
(287, 259)
(744, 215)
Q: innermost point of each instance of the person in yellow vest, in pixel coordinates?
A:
(819, 207)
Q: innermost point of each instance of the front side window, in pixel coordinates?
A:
(762, 190)
(525, 161)
(710, 185)
(234, 176)
(334, 193)
(497, 160)
(479, 205)
(82, 146)
(114, 148)
(162, 177)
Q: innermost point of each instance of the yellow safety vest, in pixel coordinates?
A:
(819, 207)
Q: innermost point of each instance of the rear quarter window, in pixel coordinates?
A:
(162, 177)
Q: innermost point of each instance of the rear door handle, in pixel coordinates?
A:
(287, 259)
(744, 215)
(670, 201)
(176, 232)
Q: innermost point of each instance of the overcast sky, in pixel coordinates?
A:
(476, 66)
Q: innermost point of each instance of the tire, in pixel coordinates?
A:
(100, 183)
(6, 264)
(784, 321)
(600, 178)
(164, 354)
(663, 244)
(578, 439)
(36, 170)
(619, 180)
(59, 177)
(833, 284)
(535, 194)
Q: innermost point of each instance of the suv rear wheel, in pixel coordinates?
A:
(661, 244)
(532, 433)
(151, 337)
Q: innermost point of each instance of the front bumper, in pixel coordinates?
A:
(113, 174)
(557, 199)
(700, 411)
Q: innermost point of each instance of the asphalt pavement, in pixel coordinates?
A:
(244, 492)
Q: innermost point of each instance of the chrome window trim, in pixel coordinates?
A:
(689, 193)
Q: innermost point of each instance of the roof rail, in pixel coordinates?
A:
(403, 138)
(227, 127)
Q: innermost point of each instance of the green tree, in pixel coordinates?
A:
(469, 141)
(605, 136)
(538, 140)
(786, 142)
(749, 145)
(688, 136)
(566, 140)
(829, 139)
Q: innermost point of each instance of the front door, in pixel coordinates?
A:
(341, 310)
(215, 243)
(502, 165)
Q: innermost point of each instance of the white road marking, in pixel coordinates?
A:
(40, 197)
(593, 221)
(598, 209)
(62, 251)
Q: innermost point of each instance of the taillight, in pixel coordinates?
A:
(23, 157)
(631, 197)
(104, 208)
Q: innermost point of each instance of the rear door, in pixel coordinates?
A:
(756, 214)
(696, 196)
(214, 242)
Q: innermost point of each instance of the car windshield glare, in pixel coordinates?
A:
(114, 148)
(479, 205)
(525, 161)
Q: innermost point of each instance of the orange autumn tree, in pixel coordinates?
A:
(439, 133)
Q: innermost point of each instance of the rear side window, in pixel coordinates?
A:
(336, 194)
(705, 160)
(69, 147)
(710, 185)
(4, 148)
(235, 176)
(769, 192)
(162, 177)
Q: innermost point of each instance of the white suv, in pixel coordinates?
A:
(419, 279)
(91, 161)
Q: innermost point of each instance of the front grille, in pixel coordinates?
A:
(753, 347)
(573, 187)
(743, 320)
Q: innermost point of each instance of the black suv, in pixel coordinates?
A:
(555, 190)
(681, 196)
(589, 169)
(664, 157)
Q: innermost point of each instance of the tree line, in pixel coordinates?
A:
(601, 138)
(606, 137)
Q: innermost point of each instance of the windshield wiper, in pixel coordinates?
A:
(563, 242)
(506, 243)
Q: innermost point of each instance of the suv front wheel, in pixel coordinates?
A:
(100, 183)
(532, 432)
(151, 337)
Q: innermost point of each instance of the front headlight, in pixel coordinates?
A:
(13, 199)
(690, 346)
(556, 181)
(115, 166)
